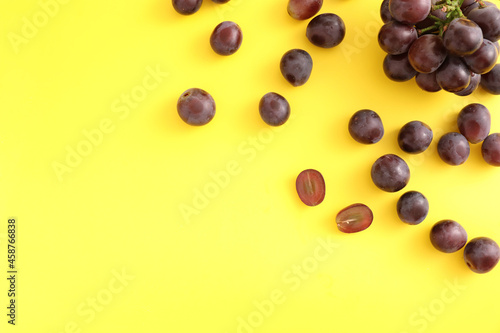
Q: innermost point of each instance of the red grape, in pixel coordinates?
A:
(354, 218)
(310, 187)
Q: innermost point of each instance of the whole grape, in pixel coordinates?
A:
(326, 30)
(410, 11)
(488, 19)
(412, 207)
(462, 37)
(448, 236)
(296, 66)
(303, 9)
(474, 122)
(196, 107)
(475, 79)
(274, 109)
(365, 126)
(490, 149)
(226, 38)
(385, 13)
(427, 53)
(398, 68)
(484, 59)
(453, 148)
(453, 75)
(415, 137)
(491, 81)
(390, 173)
(427, 82)
(186, 7)
(481, 254)
(396, 38)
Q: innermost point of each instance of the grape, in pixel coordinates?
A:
(398, 67)
(196, 107)
(481, 254)
(274, 109)
(490, 149)
(462, 37)
(310, 187)
(354, 218)
(409, 11)
(326, 30)
(296, 66)
(220, 1)
(396, 38)
(453, 75)
(303, 9)
(412, 207)
(385, 13)
(473, 84)
(415, 137)
(488, 19)
(474, 122)
(365, 126)
(429, 21)
(427, 53)
(453, 148)
(448, 236)
(427, 82)
(484, 59)
(491, 80)
(186, 7)
(390, 173)
(226, 38)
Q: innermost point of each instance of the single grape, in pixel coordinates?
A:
(481, 254)
(448, 236)
(412, 207)
(385, 13)
(415, 137)
(429, 21)
(490, 149)
(474, 122)
(462, 37)
(491, 80)
(398, 67)
(453, 75)
(226, 38)
(409, 11)
(427, 53)
(310, 186)
(274, 109)
(296, 66)
(427, 82)
(453, 148)
(196, 107)
(488, 19)
(390, 173)
(365, 126)
(186, 7)
(354, 218)
(484, 59)
(326, 30)
(303, 9)
(396, 38)
(475, 79)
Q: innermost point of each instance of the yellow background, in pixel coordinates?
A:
(164, 227)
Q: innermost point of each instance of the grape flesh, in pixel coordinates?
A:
(488, 19)
(310, 186)
(463, 37)
(481, 254)
(453, 75)
(427, 82)
(427, 53)
(490, 149)
(186, 7)
(303, 9)
(354, 218)
(226, 38)
(415, 137)
(365, 126)
(412, 207)
(398, 67)
(474, 122)
(390, 173)
(296, 66)
(453, 148)
(274, 109)
(448, 236)
(326, 30)
(484, 59)
(196, 107)
(385, 13)
(491, 80)
(409, 11)
(396, 38)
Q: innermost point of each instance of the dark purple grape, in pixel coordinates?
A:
(220, 1)
(326, 30)
(310, 186)
(412, 207)
(365, 126)
(453, 75)
(473, 5)
(448, 236)
(385, 13)
(428, 22)
(226, 38)
(303, 9)
(490, 149)
(274, 109)
(415, 137)
(186, 7)
(474, 122)
(296, 66)
(398, 67)
(497, 45)
(481, 254)
(354, 218)
(484, 59)
(396, 38)
(491, 80)
(473, 84)
(427, 53)
(196, 107)
(390, 173)
(410, 11)
(488, 19)
(462, 37)
(427, 82)
(453, 148)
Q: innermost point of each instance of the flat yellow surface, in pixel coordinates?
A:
(129, 220)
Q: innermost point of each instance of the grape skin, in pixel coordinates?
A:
(365, 126)
(490, 149)
(427, 82)
(415, 137)
(448, 236)
(412, 207)
(398, 67)
(427, 53)
(409, 11)
(474, 122)
(484, 59)
(462, 37)
(226, 38)
(453, 75)
(196, 107)
(326, 30)
(296, 66)
(453, 148)
(390, 173)
(488, 19)
(481, 254)
(274, 109)
(396, 38)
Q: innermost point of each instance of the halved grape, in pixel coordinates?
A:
(481, 254)
(448, 236)
(310, 187)
(354, 218)
(390, 173)
(474, 122)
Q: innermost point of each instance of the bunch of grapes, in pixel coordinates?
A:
(443, 44)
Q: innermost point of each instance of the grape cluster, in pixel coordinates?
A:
(443, 44)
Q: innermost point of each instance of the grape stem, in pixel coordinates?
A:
(452, 10)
